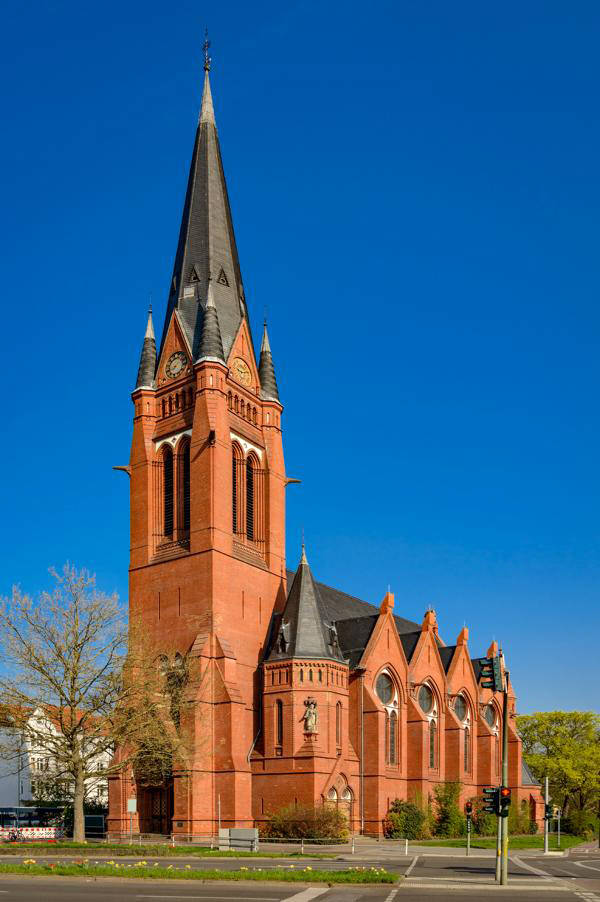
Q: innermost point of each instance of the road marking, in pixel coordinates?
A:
(391, 896)
(527, 867)
(411, 865)
(589, 867)
(307, 894)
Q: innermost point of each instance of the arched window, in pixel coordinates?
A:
(250, 499)
(279, 722)
(168, 491)
(432, 743)
(467, 755)
(185, 487)
(235, 491)
(338, 724)
(393, 737)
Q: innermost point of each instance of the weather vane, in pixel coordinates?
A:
(207, 60)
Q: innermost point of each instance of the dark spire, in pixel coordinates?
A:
(304, 630)
(266, 371)
(211, 344)
(206, 251)
(147, 367)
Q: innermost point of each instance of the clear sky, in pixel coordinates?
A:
(415, 189)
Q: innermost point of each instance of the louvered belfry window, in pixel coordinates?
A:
(185, 487)
(250, 499)
(168, 491)
(279, 723)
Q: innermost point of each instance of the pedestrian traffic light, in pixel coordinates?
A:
(491, 674)
(504, 801)
(548, 813)
(468, 809)
(491, 798)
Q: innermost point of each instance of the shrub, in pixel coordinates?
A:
(519, 819)
(484, 824)
(449, 819)
(405, 820)
(306, 822)
(580, 823)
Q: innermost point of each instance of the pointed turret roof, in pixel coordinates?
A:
(266, 370)
(211, 344)
(206, 250)
(147, 367)
(304, 630)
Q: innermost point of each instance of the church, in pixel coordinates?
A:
(291, 691)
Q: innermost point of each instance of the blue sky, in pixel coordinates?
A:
(415, 189)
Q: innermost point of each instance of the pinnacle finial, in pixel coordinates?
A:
(206, 48)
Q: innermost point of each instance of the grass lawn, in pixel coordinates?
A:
(535, 841)
(156, 871)
(153, 850)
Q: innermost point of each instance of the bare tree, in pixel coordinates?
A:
(72, 689)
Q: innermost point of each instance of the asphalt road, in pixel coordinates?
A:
(427, 875)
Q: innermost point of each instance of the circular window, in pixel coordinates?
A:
(489, 714)
(426, 699)
(385, 688)
(460, 707)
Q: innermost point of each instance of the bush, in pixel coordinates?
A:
(580, 823)
(449, 819)
(306, 822)
(484, 824)
(405, 820)
(519, 819)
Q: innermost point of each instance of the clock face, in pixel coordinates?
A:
(176, 364)
(241, 371)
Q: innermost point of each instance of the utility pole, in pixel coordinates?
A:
(504, 818)
(546, 818)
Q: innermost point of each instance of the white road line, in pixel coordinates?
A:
(527, 867)
(392, 895)
(589, 867)
(307, 894)
(411, 865)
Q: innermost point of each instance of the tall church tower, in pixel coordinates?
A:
(207, 564)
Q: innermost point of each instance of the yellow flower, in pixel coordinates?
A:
(187, 867)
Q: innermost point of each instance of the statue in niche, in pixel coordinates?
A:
(311, 717)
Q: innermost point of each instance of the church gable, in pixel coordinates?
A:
(176, 355)
(241, 362)
(384, 645)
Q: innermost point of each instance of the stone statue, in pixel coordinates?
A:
(311, 717)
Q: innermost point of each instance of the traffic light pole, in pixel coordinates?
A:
(498, 849)
(504, 820)
(546, 818)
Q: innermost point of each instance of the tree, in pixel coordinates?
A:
(565, 747)
(73, 690)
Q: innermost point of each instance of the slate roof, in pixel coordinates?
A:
(206, 250)
(145, 376)
(211, 344)
(355, 620)
(446, 654)
(266, 371)
(304, 629)
(527, 777)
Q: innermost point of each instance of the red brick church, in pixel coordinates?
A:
(292, 690)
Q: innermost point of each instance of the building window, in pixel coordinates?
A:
(185, 488)
(393, 738)
(250, 499)
(426, 698)
(168, 491)
(234, 491)
(279, 722)
(467, 756)
(432, 743)
(338, 724)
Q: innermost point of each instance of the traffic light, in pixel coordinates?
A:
(468, 808)
(504, 801)
(548, 813)
(491, 797)
(491, 674)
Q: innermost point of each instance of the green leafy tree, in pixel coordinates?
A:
(565, 747)
(450, 821)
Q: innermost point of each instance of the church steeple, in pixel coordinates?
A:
(206, 250)
(211, 344)
(147, 367)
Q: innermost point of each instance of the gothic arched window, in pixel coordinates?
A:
(279, 722)
(432, 743)
(250, 499)
(235, 489)
(393, 738)
(338, 724)
(168, 491)
(467, 755)
(184, 460)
